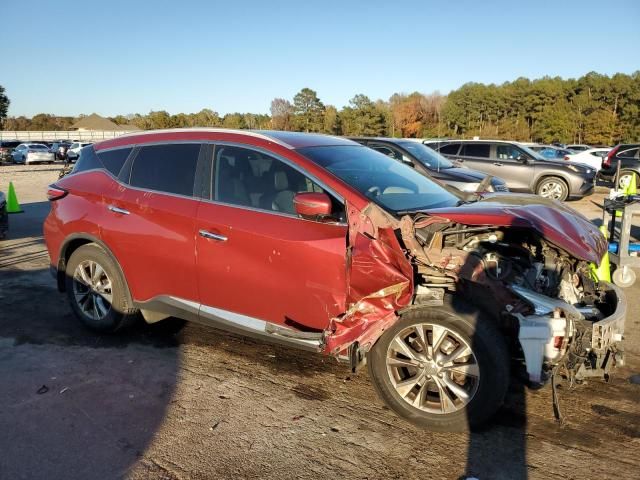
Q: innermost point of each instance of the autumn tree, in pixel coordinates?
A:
(281, 114)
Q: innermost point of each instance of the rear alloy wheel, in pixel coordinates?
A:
(625, 179)
(440, 369)
(96, 290)
(553, 188)
(92, 289)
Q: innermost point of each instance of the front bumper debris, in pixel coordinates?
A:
(610, 330)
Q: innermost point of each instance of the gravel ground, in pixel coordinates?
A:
(181, 401)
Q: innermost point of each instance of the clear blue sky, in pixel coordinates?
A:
(117, 57)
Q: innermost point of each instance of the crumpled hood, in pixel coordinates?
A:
(554, 221)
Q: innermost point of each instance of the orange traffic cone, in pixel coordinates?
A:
(12, 201)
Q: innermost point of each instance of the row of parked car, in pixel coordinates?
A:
(558, 173)
(41, 152)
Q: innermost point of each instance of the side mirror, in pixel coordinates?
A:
(523, 158)
(312, 204)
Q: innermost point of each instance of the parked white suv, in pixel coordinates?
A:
(74, 150)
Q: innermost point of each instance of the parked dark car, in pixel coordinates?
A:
(59, 149)
(4, 216)
(628, 155)
(320, 243)
(431, 163)
(6, 148)
(522, 169)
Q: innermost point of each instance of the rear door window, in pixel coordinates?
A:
(169, 168)
(480, 150)
(451, 149)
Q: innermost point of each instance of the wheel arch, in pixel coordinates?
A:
(547, 175)
(70, 245)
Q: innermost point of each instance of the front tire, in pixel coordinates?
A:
(441, 369)
(97, 291)
(553, 188)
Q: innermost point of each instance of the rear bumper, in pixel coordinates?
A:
(48, 158)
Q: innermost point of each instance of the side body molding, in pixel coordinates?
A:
(164, 306)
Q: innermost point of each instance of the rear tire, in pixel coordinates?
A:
(97, 291)
(450, 397)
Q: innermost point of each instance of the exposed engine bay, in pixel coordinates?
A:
(546, 301)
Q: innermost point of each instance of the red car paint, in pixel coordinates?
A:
(553, 220)
(348, 281)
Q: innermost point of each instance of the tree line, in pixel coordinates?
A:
(595, 109)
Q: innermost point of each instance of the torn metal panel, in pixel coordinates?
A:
(379, 280)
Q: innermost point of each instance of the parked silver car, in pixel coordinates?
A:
(32, 153)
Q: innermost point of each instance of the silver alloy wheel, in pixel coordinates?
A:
(552, 189)
(432, 368)
(92, 289)
(625, 180)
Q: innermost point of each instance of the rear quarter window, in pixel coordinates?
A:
(88, 160)
(628, 153)
(113, 160)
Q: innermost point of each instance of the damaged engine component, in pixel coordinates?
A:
(541, 296)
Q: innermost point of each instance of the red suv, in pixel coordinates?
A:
(324, 244)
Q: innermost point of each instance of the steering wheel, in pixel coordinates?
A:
(374, 191)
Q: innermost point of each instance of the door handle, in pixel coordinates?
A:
(212, 236)
(497, 164)
(115, 209)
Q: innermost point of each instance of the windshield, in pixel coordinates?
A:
(387, 182)
(533, 154)
(427, 156)
(35, 146)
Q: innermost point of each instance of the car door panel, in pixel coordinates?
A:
(152, 229)
(259, 259)
(272, 267)
(505, 163)
(155, 241)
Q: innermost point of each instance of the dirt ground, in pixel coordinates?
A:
(183, 401)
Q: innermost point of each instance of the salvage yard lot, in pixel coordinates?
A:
(183, 401)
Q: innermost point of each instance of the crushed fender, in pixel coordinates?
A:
(379, 280)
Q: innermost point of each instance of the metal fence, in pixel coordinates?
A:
(76, 135)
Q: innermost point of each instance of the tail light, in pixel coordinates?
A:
(606, 162)
(56, 193)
